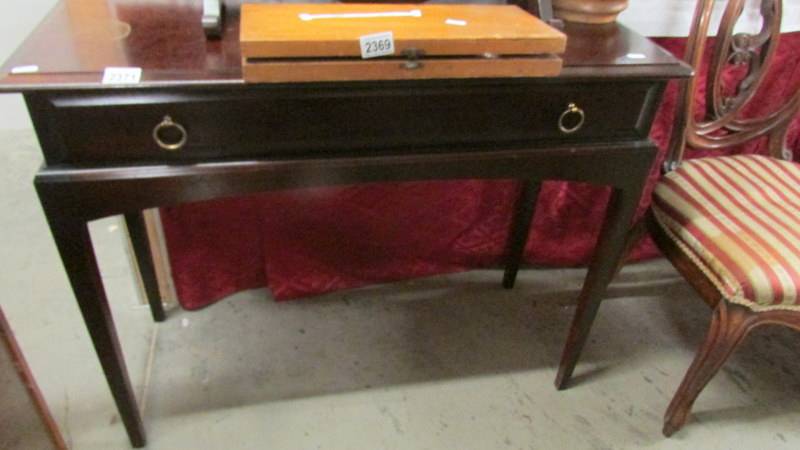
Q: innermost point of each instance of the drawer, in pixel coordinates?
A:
(262, 121)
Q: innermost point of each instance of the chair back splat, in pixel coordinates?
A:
(737, 70)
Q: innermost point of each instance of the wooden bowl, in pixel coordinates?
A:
(589, 11)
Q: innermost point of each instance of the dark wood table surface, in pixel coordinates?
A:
(102, 158)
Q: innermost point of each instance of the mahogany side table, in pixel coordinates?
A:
(192, 130)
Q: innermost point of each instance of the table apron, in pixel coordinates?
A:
(99, 192)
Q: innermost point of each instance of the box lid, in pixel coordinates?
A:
(334, 30)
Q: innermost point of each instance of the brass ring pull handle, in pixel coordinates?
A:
(166, 125)
(580, 118)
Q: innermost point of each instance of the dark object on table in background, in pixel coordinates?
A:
(213, 15)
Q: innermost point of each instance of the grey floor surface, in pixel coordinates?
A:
(448, 362)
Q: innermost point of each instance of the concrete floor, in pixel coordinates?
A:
(449, 362)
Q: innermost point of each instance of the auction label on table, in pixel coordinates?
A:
(377, 44)
(122, 75)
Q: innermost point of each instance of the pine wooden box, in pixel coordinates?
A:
(322, 42)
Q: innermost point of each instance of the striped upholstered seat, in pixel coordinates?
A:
(738, 218)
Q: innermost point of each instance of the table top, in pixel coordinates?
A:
(80, 38)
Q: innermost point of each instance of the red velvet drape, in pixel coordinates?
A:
(310, 241)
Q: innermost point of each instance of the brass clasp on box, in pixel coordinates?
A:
(413, 58)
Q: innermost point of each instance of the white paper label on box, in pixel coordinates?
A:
(456, 22)
(24, 69)
(363, 15)
(122, 75)
(377, 44)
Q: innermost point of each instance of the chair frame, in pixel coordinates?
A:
(721, 127)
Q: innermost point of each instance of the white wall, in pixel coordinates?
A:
(673, 17)
(17, 18)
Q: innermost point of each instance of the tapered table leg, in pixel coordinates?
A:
(137, 230)
(610, 248)
(520, 227)
(75, 247)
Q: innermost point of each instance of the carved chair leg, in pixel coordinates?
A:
(520, 227)
(729, 325)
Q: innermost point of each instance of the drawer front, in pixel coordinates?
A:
(268, 122)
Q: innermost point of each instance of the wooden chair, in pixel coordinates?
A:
(25, 416)
(729, 224)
